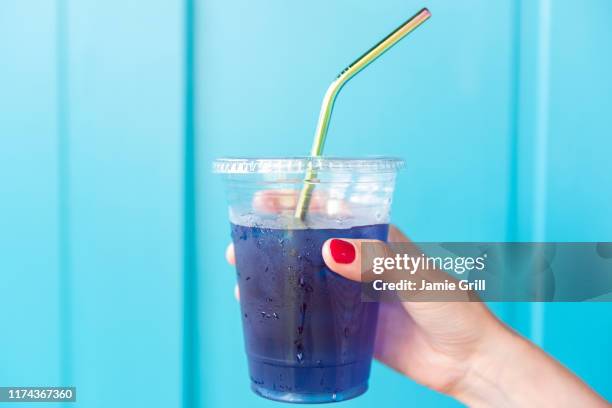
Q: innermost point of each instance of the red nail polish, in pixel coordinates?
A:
(342, 251)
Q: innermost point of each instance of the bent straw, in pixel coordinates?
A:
(333, 90)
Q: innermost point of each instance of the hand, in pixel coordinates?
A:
(461, 349)
(433, 343)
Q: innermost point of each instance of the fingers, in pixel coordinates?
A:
(274, 201)
(231, 259)
(283, 201)
(229, 255)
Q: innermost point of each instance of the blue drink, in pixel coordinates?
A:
(308, 335)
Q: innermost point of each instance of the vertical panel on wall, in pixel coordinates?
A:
(125, 169)
(526, 216)
(440, 99)
(190, 357)
(578, 203)
(29, 231)
(564, 170)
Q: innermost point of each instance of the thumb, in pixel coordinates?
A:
(343, 256)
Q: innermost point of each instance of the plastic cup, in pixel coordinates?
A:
(308, 336)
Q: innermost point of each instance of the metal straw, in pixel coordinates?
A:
(333, 90)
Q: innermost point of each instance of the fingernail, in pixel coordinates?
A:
(342, 251)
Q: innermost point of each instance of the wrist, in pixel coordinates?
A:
(490, 370)
(508, 370)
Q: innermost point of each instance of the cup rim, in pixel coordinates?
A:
(255, 165)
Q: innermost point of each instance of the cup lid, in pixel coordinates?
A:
(250, 165)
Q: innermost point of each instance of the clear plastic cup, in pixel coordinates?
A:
(308, 336)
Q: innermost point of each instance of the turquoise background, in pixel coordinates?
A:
(112, 227)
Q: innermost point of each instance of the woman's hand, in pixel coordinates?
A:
(433, 343)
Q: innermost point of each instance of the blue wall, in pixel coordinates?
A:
(112, 228)
(91, 198)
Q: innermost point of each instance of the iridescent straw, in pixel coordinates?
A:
(333, 90)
